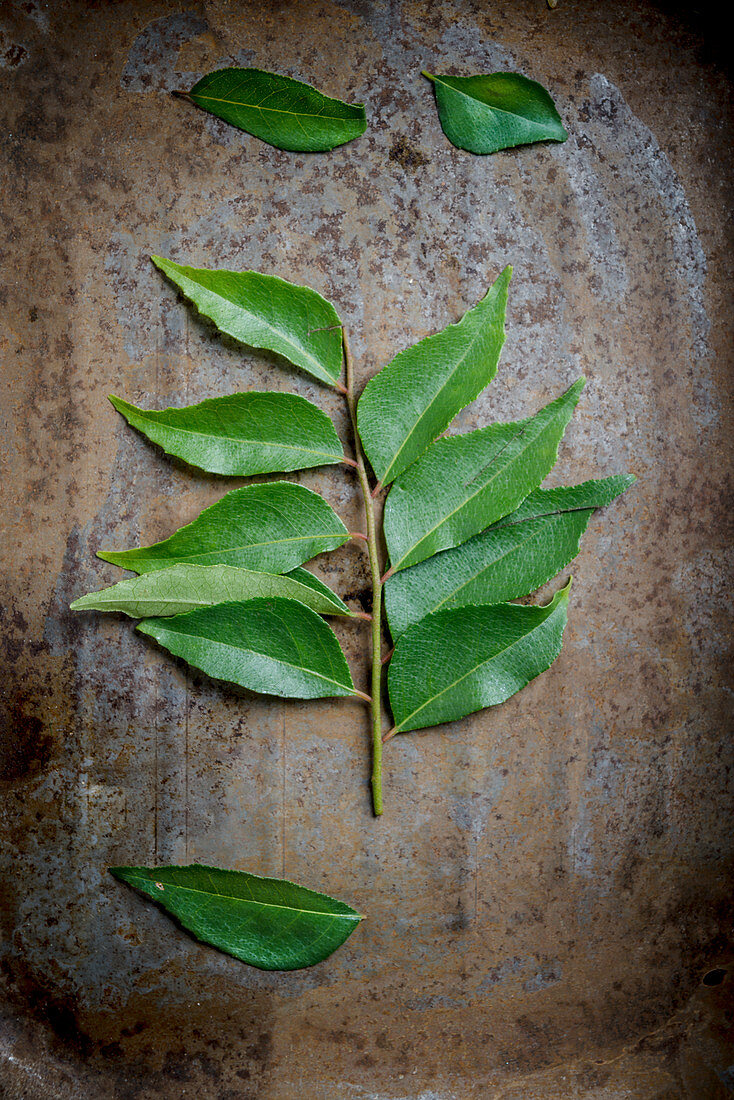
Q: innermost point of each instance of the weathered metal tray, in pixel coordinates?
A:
(552, 878)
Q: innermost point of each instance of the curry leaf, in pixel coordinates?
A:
(185, 587)
(464, 483)
(272, 646)
(270, 528)
(458, 661)
(512, 558)
(243, 434)
(286, 113)
(304, 577)
(264, 311)
(417, 395)
(269, 923)
(485, 113)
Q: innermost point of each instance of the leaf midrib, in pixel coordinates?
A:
(252, 901)
(278, 110)
(489, 106)
(142, 415)
(488, 660)
(482, 488)
(267, 656)
(228, 549)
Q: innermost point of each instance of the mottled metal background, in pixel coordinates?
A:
(552, 878)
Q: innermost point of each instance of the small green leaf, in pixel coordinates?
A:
(330, 599)
(510, 559)
(455, 662)
(464, 483)
(272, 646)
(185, 587)
(263, 311)
(243, 434)
(269, 528)
(485, 113)
(286, 113)
(417, 395)
(269, 923)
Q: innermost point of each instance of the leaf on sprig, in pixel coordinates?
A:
(510, 559)
(417, 395)
(486, 113)
(286, 113)
(183, 588)
(272, 646)
(268, 528)
(304, 577)
(270, 923)
(466, 482)
(455, 662)
(242, 434)
(266, 312)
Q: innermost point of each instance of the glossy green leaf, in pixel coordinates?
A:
(269, 923)
(266, 312)
(268, 528)
(272, 646)
(486, 113)
(417, 395)
(303, 576)
(242, 434)
(455, 662)
(464, 483)
(183, 588)
(286, 113)
(511, 559)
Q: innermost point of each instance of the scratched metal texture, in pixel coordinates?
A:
(552, 878)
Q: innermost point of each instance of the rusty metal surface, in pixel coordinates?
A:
(552, 878)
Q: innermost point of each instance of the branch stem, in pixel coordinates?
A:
(369, 510)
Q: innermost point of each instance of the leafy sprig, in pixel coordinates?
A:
(466, 525)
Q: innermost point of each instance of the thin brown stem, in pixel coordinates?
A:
(369, 509)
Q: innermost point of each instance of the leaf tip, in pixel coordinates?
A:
(122, 874)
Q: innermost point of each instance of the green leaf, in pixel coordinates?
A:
(269, 923)
(464, 483)
(486, 113)
(264, 311)
(243, 434)
(512, 558)
(185, 587)
(272, 646)
(456, 662)
(417, 395)
(337, 605)
(286, 113)
(269, 528)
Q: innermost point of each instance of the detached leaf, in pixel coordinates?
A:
(267, 922)
(272, 646)
(185, 587)
(462, 484)
(269, 528)
(459, 661)
(243, 434)
(497, 111)
(286, 113)
(263, 311)
(417, 395)
(510, 559)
